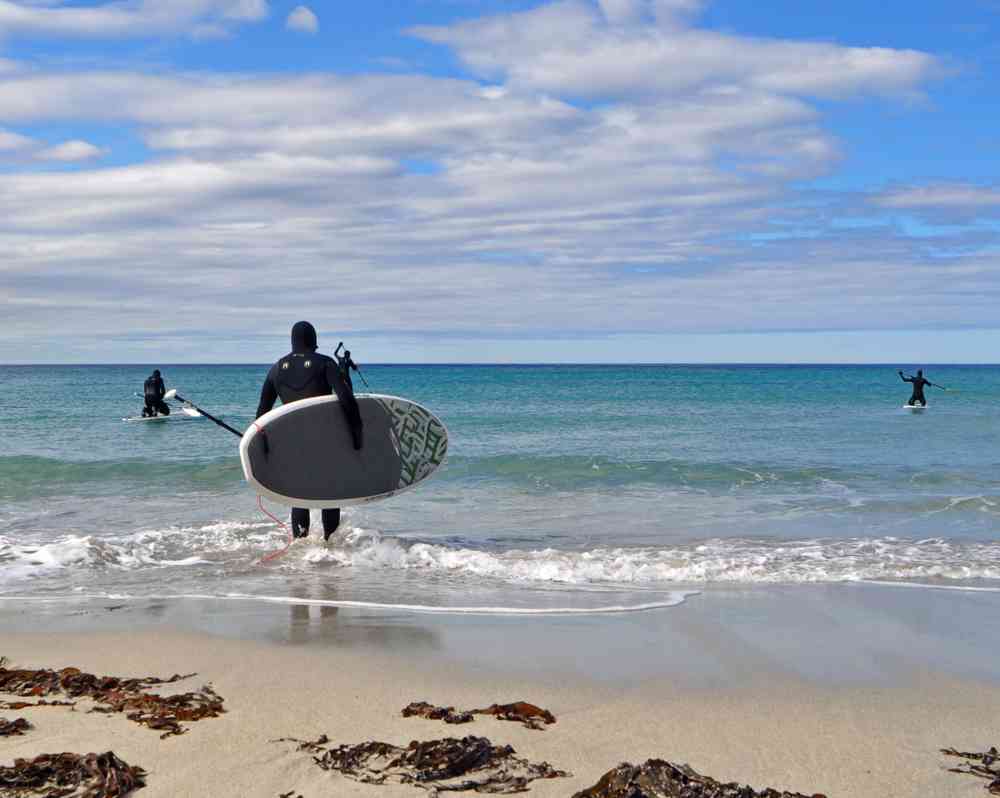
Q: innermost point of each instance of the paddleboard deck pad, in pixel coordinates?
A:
(302, 454)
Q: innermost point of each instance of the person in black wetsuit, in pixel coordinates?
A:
(153, 391)
(301, 374)
(918, 387)
(346, 364)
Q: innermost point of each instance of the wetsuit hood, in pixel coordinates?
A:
(303, 337)
(156, 372)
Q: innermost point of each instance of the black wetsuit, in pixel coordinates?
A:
(346, 364)
(301, 374)
(153, 391)
(918, 389)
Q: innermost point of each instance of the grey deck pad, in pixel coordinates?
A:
(310, 461)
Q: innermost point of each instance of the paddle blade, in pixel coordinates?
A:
(170, 394)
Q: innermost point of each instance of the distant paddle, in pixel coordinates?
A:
(172, 394)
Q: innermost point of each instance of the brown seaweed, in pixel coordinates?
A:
(13, 728)
(521, 711)
(656, 778)
(527, 714)
(985, 765)
(447, 765)
(424, 710)
(70, 776)
(113, 695)
(42, 703)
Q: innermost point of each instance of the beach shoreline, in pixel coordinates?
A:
(348, 674)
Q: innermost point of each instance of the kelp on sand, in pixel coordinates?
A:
(471, 764)
(112, 694)
(984, 765)
(522, 712)
(70, 776)
(657, 778)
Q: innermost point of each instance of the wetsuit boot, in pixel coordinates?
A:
(300, 522)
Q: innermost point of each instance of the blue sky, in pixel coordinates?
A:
(643, 180)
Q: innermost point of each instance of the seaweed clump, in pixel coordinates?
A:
(985, 765)
(521, 712)
(447, 765)
(12, 728)
(657, 778)
(70, 776)
(422, 709)
(113, 694)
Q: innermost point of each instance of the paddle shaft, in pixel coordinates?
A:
(209, 416)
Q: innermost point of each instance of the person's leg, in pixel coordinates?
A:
(331, 520)
(148, 410)
(300, 522)
(162, 407)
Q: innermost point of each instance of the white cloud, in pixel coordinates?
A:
(14, 142)
(571, 47)
(941, 196)
(303, 20)
(18, 148)
(112, 20)
(68, 151)
(447, 207)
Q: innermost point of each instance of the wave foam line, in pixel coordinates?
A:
(925, 586)
(676, 598)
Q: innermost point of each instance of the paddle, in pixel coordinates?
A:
(172, 394)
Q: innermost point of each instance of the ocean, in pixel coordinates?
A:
(567, 489)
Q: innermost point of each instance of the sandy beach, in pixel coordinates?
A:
(348, 675)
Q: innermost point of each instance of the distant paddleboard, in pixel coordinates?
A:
(915, 408)
(146, 418)
(309, 460)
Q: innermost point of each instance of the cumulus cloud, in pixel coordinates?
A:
(112, 20)
(303, 20)
(456, 208)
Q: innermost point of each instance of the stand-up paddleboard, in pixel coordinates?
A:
(301, 454)
(915, 408)
(186, 412)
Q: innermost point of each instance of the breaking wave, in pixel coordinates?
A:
(229, 548)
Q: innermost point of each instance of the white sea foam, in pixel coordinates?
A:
(239, 545)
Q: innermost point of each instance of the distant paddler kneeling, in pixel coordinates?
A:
(153, 392)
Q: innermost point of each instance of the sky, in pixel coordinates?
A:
(459, 181)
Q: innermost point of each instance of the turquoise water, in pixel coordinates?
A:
(566, 487)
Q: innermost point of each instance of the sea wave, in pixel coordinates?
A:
(234, 547)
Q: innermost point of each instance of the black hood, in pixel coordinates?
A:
(156, 372)
(303, 337)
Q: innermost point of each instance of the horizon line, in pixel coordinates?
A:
(526, 364)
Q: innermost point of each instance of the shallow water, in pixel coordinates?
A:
(566, 488)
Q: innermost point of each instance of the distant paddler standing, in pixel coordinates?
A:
(346, 363)
(918, 383)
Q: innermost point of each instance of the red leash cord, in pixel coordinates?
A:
(274, 554)
(260, 503)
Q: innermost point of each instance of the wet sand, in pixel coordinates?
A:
(848, 694)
